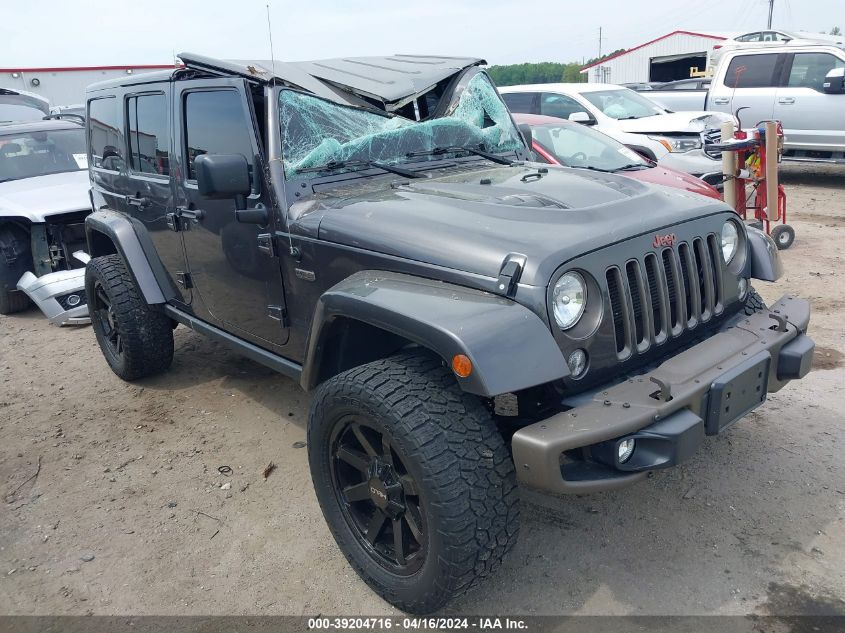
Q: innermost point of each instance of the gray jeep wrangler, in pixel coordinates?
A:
(469, 320)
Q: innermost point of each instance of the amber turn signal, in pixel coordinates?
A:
(461, 365)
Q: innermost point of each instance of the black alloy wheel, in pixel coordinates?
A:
(102, 310)
(378, 497)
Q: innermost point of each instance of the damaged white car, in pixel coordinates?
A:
(43, 203)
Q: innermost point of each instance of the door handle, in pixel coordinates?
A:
(138, 201)
(191, 214)
(786, 100)
(257, 215)
(721, 100)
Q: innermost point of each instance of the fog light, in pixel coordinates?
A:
(73, 300)
(624, 450)
(743, 288)
(577, 362)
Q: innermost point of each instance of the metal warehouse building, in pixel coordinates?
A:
(65, 86)
(672, 56)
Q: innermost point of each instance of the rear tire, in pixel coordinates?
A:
(783, 235)
(398, 438)
(136, 339)
(12, 301)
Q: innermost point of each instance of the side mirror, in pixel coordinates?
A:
(581, 117)
(222, 176)
(527, 135)
(834, 82)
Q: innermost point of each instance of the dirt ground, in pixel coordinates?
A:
(127, 514)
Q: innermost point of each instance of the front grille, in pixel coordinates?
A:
(665, 294)
(711, 137)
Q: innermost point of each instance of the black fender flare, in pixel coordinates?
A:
(141, 259)
(510, 347)
(763, 257)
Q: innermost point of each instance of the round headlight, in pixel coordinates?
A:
(730, 240)
(569, 298)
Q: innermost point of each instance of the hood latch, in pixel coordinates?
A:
(509, 276)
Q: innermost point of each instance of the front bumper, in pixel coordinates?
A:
(667, 411)
(59, 295)
(694, 162)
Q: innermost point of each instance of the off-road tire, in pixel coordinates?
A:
(754, 303)
(12, 301)
(783, 235)
(145, 333)
(463, 472)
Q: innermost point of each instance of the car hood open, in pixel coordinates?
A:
(460, 222)
(675, 122)
(37, 198)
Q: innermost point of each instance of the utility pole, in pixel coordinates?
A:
(771, 10)
(599, 73)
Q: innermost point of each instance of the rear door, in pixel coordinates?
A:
(811, 119)
(238, 286)
(149, 190)
(750, 82)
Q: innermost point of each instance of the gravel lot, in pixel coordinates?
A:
(127, 513)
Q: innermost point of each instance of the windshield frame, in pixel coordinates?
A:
(629, 94)
(448, 103)
(7, 136)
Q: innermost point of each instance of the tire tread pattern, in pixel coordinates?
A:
(147, 334)
(469, 476)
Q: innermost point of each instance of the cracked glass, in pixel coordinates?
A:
(316, 132)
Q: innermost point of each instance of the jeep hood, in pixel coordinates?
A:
(459, 221)
(37, 198)
(685, 122)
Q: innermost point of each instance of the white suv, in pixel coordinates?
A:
(673, 139)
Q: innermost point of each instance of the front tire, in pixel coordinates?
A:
(413, 478)
(136, 339)
(12, 301)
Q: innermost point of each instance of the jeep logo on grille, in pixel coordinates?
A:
(663, 240)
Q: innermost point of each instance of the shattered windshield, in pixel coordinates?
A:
(317, 132)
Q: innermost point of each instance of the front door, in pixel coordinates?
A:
(811, 118)
(749, 83)
(237, 286)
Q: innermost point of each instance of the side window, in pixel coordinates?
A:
(559, 106)
(149, 138)
(520, 102)
(215, 123)
(752, 71)
(809, 69)
(104, 134)
(750, 37)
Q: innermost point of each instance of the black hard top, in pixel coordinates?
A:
(392, 80)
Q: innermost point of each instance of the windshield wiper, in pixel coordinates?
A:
(457, 148)
(340, 164)
(633, 166)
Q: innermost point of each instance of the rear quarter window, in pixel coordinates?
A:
(520, 102)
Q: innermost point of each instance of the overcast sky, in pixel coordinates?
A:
(38, 33)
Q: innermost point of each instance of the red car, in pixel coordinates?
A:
(560, 142)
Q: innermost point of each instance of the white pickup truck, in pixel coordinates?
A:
(801, 86)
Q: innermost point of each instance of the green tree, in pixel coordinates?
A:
(835, 31)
